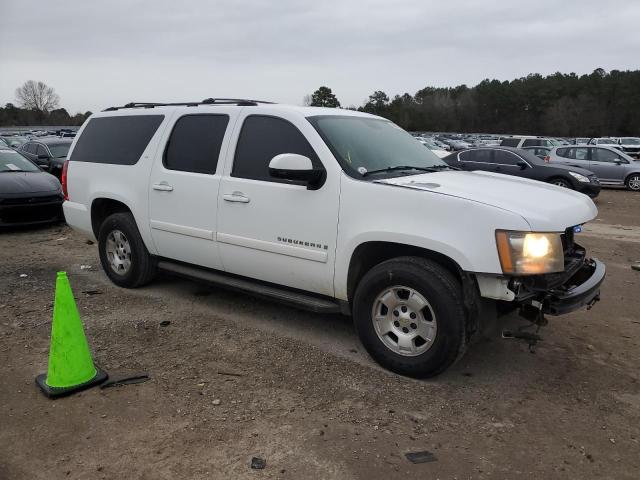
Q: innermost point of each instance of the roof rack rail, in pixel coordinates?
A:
(207, 101)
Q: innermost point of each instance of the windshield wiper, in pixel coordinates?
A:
(399, 167)
(434, 168)
(442, 167)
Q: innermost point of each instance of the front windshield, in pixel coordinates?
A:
(630, 141)
(606, 141)
(11, 161)
(59, 150)
(363, 144)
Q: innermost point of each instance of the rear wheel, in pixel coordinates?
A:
(409, 315)
(633, 182)
(123, 255)
(560, 182)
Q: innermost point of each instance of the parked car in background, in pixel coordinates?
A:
(524, 141)
(15, 141)
(540, 152)
(579, 141)
(605, 142)
(522, 163)
(456, 144)
(435, 149)
(612, 166)
(630, 146)
(48, 153)
(27, 194)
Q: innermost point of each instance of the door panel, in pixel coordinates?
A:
(603, 164)
(270, 230)
(184, 184)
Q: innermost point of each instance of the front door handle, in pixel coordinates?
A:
(162, 187)
(236, 197)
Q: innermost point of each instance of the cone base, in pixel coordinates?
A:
(56, 392)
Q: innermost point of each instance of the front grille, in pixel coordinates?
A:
(26, 210)
(35, 200)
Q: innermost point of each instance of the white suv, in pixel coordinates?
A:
(330, 210)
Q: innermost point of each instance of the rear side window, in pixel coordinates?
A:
(116, 140)
(563, 152)
(261, 139)
(510, 142)
(478, 156)
(195, 142)
(41, 150)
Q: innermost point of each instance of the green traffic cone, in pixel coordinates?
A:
(71, 368)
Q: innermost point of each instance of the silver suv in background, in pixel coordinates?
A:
(612, 166)
(525, 141)
(630, 146)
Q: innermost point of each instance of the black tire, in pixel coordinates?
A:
(143, 265)
(633, 182)
(443, 292)
(561, 182)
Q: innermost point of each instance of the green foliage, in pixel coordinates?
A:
(324, 97)
(12, 116)
(597, 104)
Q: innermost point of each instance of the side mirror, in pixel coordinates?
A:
(291, 166)
(522, 165)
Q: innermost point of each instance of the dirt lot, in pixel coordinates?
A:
(303, 394)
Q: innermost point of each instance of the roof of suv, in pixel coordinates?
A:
(146, 108)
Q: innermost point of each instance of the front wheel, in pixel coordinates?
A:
(123, 255)
(560, 182)
(633, 182)
(410, 317)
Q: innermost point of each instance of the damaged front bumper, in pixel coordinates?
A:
(576, 287)
(559, 293)
(582, 290)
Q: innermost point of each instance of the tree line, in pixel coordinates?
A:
(38, 104)
(597, 104)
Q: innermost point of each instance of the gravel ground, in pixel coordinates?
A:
(234, 377)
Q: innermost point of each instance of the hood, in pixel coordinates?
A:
(545, 207)
(14, 184)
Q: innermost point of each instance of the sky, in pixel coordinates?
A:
(99, 54)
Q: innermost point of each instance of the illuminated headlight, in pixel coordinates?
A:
(580, 178)
(529, 253)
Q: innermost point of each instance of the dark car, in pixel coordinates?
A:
(47, 153)
(27, 194)
(521, 163)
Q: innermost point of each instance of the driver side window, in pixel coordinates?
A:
(262, 138)
(604, 155)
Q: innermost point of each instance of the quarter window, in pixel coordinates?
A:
(195, 143)
(261, 139)
(119, 140)
(42, 151)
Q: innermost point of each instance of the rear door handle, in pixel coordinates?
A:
(162, 187)
(236, 197)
